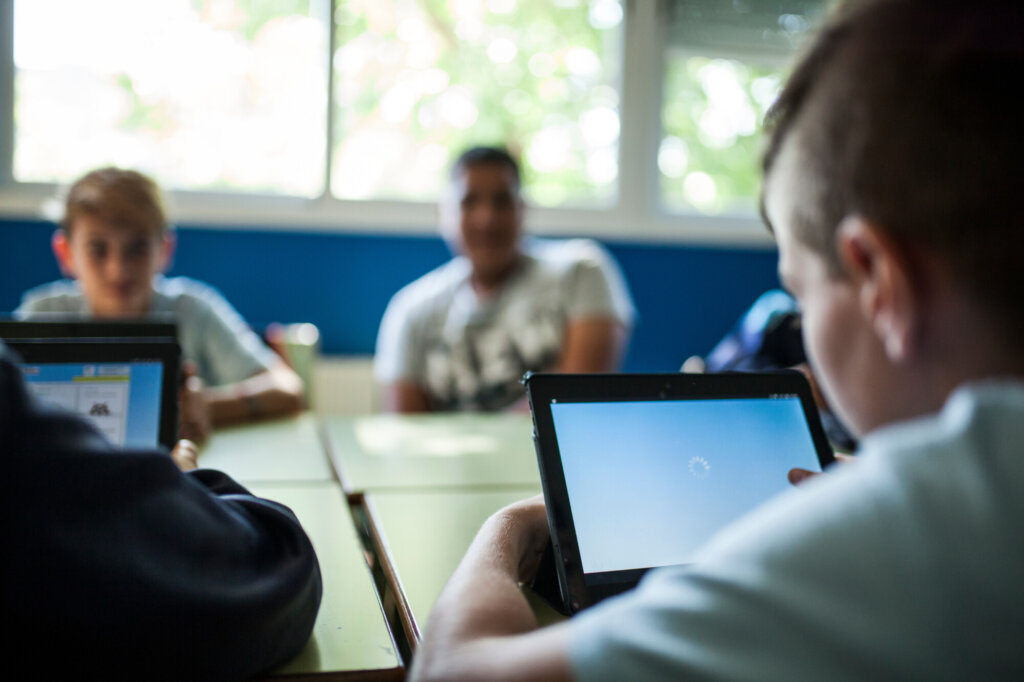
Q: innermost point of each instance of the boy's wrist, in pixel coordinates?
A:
(248, 400)
(252, 406)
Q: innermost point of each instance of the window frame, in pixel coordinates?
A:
(637, 214)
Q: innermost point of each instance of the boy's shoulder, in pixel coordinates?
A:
(566, 255)
(980, 427)
(565, 251)
(184, 286)
(435, 287)
(182, 294)
(61, 296)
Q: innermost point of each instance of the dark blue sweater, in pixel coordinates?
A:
(119, 564)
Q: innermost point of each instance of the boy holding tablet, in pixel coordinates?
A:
(129, 564)
(892, 181)
(114, 241)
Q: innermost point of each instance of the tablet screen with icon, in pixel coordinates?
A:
(640, 471)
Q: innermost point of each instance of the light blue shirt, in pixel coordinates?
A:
(210, 332)
(905, 564)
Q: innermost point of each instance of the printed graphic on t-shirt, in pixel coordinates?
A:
(482, 369)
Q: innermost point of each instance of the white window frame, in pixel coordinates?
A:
(636, 216)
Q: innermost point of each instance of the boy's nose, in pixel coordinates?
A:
(117, 268)
(484, 215)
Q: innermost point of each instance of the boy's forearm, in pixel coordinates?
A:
(491, 570)
(405, 397)
(482, 627)
(593, 345)
(275, 392)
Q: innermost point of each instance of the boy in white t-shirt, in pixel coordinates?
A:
(462, 336)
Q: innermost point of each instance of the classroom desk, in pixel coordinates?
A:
(429, 452)
(288, 449)
(420, 538)
(350, 639)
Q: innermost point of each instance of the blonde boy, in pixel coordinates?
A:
(114, 242)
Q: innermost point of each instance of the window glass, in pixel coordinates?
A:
(203, 94)
(709, 155)
(724, 65)
(417, 81)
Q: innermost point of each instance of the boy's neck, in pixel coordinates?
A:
(962, 344)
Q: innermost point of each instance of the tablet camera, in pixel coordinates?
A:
(699, 467)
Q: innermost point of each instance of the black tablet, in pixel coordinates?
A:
(58, 326)
(640, 470)
(128, 388)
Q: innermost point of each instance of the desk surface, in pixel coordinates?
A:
(424, 535)
(350, 638)
(450, 451)
(280, 450)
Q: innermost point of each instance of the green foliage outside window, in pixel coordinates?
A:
(710, 150)
(417, 82)
(230, 95)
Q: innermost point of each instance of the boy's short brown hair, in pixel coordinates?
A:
(906, 113)
(486, 156)
(119, 197)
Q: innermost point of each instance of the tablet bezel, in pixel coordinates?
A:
(64, 326)
(542, 388)
(164, 350)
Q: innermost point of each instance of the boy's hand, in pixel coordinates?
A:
(797, 475)
(482, 626)
(185, 454)
(819, 397)
(194, 412)
(524, 526)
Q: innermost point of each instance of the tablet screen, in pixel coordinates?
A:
(121, 399)
(649, 482)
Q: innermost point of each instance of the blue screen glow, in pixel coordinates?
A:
(649, 482)
(121, 399)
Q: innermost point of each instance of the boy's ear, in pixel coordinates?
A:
(885, 283)
(448, 223)
(62, 252)
(167, 251)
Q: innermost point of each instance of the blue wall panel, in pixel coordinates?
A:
(25, 259)
(687, 297)
(341, 283)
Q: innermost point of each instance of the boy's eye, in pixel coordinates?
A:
(97, 251)
(137, 249)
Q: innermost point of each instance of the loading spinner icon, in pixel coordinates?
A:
(699, 467)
